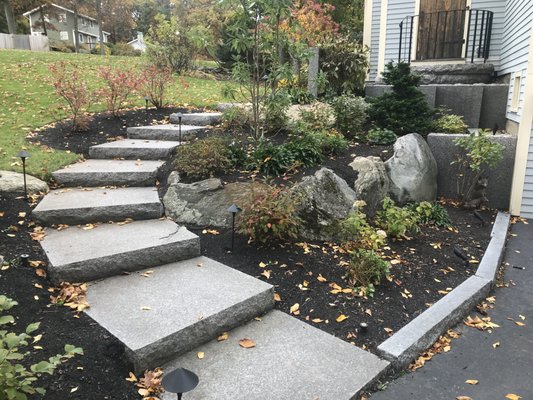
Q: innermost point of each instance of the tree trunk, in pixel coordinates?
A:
(100, 29)
(43, 21)
(76, 32)
(10, 17)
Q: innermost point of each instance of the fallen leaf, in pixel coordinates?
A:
(295, 309)
(73, 389)
(495, 344)
(341, 318)
(277, 297)
(262, 264)
(368, 311)
(463, 398)
(201, 355)
(132, 377)
(317, 320)
(266, 273)
(472, 381)
(146, 308)
(246, 343)
(223, 336)
(512, 396)
(321, 278)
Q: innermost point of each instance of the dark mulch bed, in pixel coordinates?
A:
(427, 270)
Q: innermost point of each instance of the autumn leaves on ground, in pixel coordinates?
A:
(28, 102)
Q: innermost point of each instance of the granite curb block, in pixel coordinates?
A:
(419, 334)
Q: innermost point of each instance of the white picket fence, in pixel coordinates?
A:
(24, 42)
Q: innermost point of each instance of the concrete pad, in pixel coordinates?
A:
(190, 303)
(109, 172)
(291, 360)
(204, 118)
(81, 206)
(419, 334)
(164, 132)
(134, 149)
(78, 255)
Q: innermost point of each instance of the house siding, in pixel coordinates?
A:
(499, 9)
(516, 35)
(527, 195)
(374, 40)
(396, 12)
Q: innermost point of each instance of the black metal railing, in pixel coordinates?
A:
(455, 34)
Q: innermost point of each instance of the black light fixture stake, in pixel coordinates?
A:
(25, 260)
(23, 155)
(461, 254)
(180, 116)
(180, 381)
(234, 210)
(363, 327)
(146, 98)
(478, 215)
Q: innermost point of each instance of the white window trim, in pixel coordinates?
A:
(515, 95)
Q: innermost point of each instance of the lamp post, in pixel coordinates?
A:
(25, 260)
(180, 116)
(180, 381)
(146, 99)
(234, 210)
(23, 154)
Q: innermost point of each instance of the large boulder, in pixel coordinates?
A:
(412, 170)
(372, 183)
(205, 202)
(325, 199)
(13, 182)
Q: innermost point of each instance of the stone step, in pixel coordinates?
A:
(170, 310)
(205, 118)
(134, 149)
(92, 173)
(291, 360)
(81, 206)
(164, 132)
(76, 254)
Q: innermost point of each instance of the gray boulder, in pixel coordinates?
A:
(204, 202)
(325, 199)
(412, 170)
(372, 183)
(13, 182)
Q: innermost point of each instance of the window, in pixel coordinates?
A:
(62, 17)
(63, 35)
(517, 83)
(81, 38)
(92, 23)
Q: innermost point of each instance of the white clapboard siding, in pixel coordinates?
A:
(496, 40)
(527, 195)
(374, 40)
(512, 114)
(516, 35)
(396, 12)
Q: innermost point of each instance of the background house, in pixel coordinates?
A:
(138, 43)
(60, 25)
(466, 42)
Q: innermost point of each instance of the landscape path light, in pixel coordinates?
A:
(180, 381)
(23, 154)
(180, 116)
(234, 210)
(25, 260)
(146, 99)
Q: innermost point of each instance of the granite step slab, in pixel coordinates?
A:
(164, 312)
(76, 254)
(164, 132)
(205, 118)
(134, 149)
(72, 206)
(91, 173)
(291, 360)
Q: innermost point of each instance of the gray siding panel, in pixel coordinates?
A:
(527, 195)
(498, 8)
(374, 40)
(516, 35)
(397, 11)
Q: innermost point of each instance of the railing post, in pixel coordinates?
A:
(400, 46)
(410, 39)
(489, 34)
(474, 40)
(468, 32)
(482, 34)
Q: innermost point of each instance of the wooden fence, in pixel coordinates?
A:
(24, 42)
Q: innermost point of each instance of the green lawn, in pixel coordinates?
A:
(27, 102)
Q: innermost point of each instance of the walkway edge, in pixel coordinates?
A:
(419, 334)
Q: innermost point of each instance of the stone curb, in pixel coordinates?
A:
(419, 334)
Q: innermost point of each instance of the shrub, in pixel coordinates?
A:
(61, 46)
(431, 214)
(481, 154)
(269, 214)
(396, 221)
(125, 50)
(317, 116)
(154, 82)
(272, 160)
(330, 142)
(345, 63)
(16, 380)
(203, 158)
(380, 136)
(404, 110)
(236, 155)
(70, 85)
(450, 123)
(274, 117)
(356, 232)
(118, 86)
(305, 151)
(351, 114)
(96, 49)
(366, 268)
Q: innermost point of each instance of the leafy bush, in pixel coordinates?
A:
(61, 46)
(269, 214)
(236, 155)
(431, 214)
(237, 119)
(381, 136)
(274, 118)
(317, 116)
(351, 114)
(119, 85)
(125, 50)
(305, 151)
(107, 49)
(481, 154)
(356, 232)
(155, 81)
(450, 123)
(272, 160)
(404, 110)
(203, 158)
(16, 380)
(366, 268)
(345, 63)
(70, 85)
(330, 142)
(396, 221)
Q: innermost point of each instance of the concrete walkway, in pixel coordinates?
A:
(501, 369)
